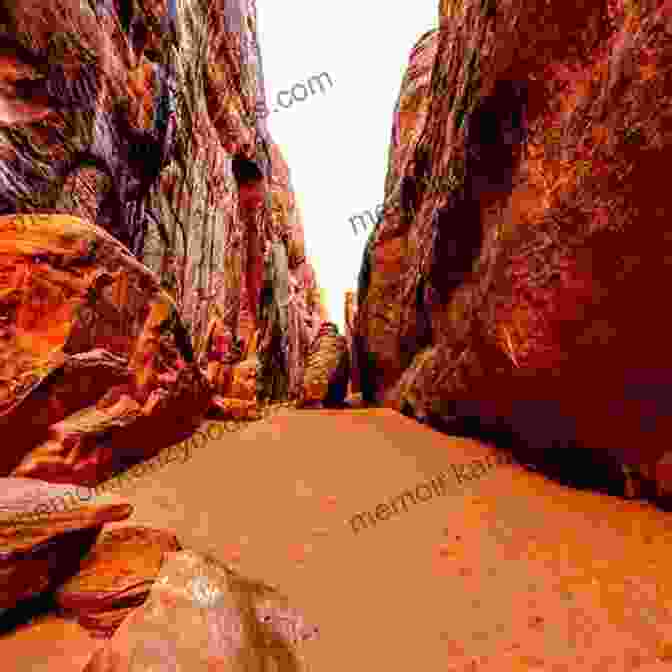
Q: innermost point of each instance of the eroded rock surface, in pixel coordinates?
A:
(122, 118)
(94, 355)
(115, 577)
(350, 316)
(512, 284)
(202, 616)
(44, 531)
(327, 369)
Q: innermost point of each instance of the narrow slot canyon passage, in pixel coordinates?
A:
(323, 353)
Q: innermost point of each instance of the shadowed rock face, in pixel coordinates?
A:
(511, 287)
(120, 119)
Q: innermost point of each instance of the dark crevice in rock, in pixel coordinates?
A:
(245, 171)
(419, 336)
(413, 186)
(26, 611)
(456, 246)
(495, 131)
(139, 36)
(494, 134)
(125, 14)
(367, 370)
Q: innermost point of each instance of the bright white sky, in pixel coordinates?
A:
(336, 142)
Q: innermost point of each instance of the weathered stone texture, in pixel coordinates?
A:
(118, 121)
(515, 281)
(350, 316)
(96, 364)
(327, 369)
(115, 576)
(231, 622)
(43, 534)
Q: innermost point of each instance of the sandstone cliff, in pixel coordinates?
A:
(512, 287)
(125, 115)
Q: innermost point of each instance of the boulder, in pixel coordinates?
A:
(327, 369)
(43, 535)
(235, 409)
(94, 356)
(115, 576)
(200, 616)
(244, 380)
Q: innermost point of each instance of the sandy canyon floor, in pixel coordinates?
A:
(505, 571)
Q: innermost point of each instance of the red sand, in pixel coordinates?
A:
(511, 572)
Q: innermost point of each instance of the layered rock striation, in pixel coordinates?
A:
(127, 249)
